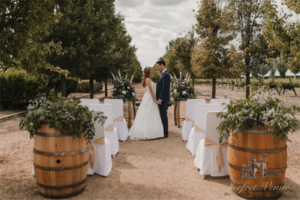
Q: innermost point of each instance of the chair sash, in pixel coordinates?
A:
(198, 129)
(188, 119)
(110, 127)
(119, 119)
(92, 152)
(220, 159)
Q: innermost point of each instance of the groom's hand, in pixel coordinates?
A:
(159, 102)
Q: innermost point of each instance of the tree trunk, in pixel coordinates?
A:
(105, 88)
(63, 85)
(193, 82)
(92, 88)
(247, 84)
(213, 95)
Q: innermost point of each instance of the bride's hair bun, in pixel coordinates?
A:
(145, 75)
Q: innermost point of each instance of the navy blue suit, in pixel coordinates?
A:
(163, 93)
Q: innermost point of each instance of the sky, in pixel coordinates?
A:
(153, 23)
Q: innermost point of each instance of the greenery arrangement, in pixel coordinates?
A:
(259, 109)
(182, 89)
(63, 114)
(123, 89)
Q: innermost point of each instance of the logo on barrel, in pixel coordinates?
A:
(254, 169)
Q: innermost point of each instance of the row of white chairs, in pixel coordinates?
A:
(107, 136)
(200, 132)
(113, 130)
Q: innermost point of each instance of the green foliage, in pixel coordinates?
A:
(283, 34)
(84, 86)
(71, 84)
(259, 109)
(17, 88)
(22, 25)
(282, 69)
(63, 114)
(182, 89)
(179, 54)
(123, 89)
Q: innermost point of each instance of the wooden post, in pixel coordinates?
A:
(129, 114)
(178, 114)
(175, 114)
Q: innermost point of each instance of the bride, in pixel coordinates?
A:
(147, 123)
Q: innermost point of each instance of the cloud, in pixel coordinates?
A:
(153, 23)
(129, 3)
(166, 2)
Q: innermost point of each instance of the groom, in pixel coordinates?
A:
(163, 94)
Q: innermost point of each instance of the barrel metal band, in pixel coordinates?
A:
(257, 131)
(62, 196)
(246, 196)
(274, 170)
(256, 188)
(70, 153)
(61, 187)
(258, 150)
(61, 168)
(52, 134)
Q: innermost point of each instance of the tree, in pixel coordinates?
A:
(248, 21)
(87, 31)
(180, 53)
(23, 24)
(282, 69)
(283, 35)
(210, 58)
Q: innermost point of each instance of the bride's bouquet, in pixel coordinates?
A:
(182, 89)
(123, 89)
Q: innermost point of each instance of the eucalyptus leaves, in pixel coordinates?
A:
(182, 89)
(123, 89)
(63, 114)
(260, 109)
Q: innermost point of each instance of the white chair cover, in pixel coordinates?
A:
(121, 126)
(111, 135)
(103, 164)
(220, 102)
(86, 102)
(190, 115)
(200, 121)
(206, 156)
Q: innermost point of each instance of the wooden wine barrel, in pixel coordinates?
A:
(60, 163)
(258, 150)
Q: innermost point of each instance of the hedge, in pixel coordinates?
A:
(17, 88)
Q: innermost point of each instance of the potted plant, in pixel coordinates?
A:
(258, 129)
(61, 129)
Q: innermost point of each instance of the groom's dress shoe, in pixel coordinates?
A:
(165, 136)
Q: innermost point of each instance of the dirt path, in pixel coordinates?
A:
(156, 169)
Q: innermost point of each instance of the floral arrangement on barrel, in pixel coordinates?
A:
(259, 109)
(123, 89)
(61, 113)
(182, 89)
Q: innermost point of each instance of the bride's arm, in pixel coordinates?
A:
(148, 83)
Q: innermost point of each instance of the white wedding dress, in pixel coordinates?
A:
(147, 123)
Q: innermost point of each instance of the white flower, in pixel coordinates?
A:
(133, 94)
(128, 87)
(175, 91)
(183, 92)
(124, 92)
